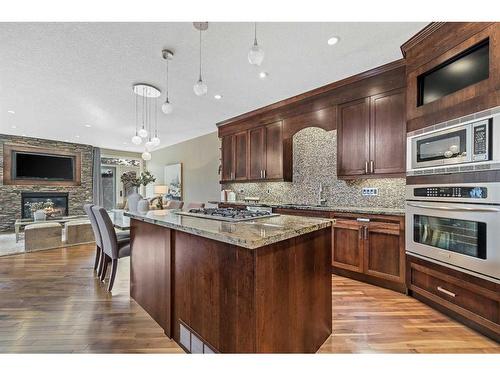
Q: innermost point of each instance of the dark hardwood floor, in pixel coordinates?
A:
(50, 302)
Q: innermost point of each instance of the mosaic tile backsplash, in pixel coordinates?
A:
(315, 162)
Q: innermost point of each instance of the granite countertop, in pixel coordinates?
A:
(354, 210)
(249, 234)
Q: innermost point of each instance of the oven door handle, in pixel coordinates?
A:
(444, 208)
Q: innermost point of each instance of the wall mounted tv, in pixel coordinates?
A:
(38, 166)
(467, 68)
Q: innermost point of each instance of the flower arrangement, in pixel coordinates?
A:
(47, 206)
(145, 179)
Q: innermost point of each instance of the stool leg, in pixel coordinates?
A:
(105, 267)
(114, 266)
(97, 256)
(101, 263)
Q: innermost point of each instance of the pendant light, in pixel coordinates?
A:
(167, 106)
(156, 140)
(144, 111)
(200, 88)
(136, 140)
(256, 53)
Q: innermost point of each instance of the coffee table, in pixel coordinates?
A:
(20, 224)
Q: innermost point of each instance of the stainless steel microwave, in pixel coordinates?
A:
(464, 143)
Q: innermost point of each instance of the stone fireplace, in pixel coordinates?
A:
(60, 201)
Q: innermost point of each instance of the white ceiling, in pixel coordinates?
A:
(57, 77)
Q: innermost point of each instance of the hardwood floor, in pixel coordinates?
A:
(51, 302)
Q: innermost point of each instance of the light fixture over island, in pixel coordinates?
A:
(260, 286)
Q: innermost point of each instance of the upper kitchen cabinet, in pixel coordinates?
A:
(371, 136)
(367, 108)
(453, 70)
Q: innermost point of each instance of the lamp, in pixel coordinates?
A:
(160, 190)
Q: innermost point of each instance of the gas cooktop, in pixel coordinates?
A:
(226, 214)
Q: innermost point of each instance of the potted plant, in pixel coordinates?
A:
(130, 179)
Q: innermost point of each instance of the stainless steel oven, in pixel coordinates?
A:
(456, 224)
(466, 143)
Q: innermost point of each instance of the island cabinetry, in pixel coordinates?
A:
(371, 136)
(150, 271)
(215, 296)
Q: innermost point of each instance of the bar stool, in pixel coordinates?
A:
(97, 235)
(112, 249)
(171, 205)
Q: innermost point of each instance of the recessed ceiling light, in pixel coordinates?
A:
(13, 126)
(23, 135)
(333, 40)
(11, 112)
(66, 140)
(218, 97)
(88, 125)
(125, 143)
(263, 75)
(77, 136)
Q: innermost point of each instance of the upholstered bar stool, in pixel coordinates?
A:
(112, 249)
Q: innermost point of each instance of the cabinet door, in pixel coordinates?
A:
(274, 151)
(347, 252)
(388, 132)
(227, 158)
(353, 133)
(257, 153)
(240, 156)
(384, 251)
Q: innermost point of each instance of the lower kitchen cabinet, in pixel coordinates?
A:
(370, 249)
(469, 299)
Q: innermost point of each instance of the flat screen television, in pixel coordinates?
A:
(36, 166)
(467, 68)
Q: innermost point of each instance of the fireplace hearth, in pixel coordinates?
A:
(60, 201)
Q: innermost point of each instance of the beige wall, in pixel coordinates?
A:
(200, 162)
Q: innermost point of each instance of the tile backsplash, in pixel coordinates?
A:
(315, 162)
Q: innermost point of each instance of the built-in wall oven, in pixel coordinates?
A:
(457, 225)
(465, 144)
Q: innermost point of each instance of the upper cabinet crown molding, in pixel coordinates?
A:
(437, 44)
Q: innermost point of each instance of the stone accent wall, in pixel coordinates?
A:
(315, 161)
(10, 195)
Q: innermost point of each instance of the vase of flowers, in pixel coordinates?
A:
(128, 179)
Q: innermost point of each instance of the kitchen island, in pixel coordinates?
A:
(258, 286)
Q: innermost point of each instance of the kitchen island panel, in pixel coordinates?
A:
(213, 292)
(150, 271)
(293, 294)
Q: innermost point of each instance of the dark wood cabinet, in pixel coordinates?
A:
(469, 299)
(274, 151)
(438, 43)
(257, 153)
(388, 133)
(227, 149)
(347, 251)
(353, 138)
(254, 154)
(240, 156)
(371, 136)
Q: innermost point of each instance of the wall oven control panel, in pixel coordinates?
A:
(476, 192)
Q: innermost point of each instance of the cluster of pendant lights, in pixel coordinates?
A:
(146, 95)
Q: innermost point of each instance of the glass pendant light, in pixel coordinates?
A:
(200, 88)
(146, 156)
(136, 140)
(256, 53)
(167, 107)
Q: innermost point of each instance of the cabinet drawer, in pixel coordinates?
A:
(465, 295)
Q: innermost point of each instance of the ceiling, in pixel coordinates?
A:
(59, 77)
